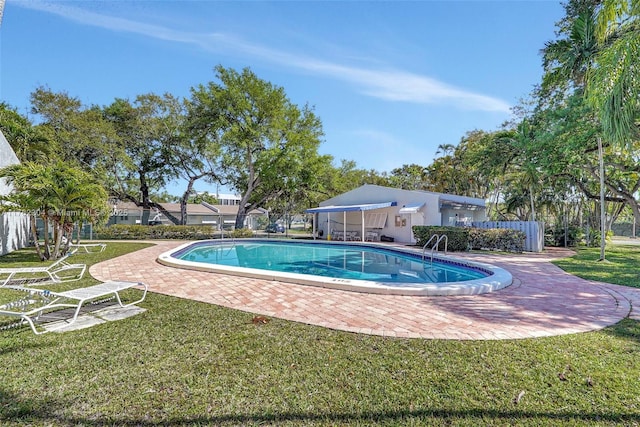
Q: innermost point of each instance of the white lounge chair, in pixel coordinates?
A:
(59, 271)
(48, 301)
(89, 247)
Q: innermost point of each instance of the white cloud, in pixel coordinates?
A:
(391, 85)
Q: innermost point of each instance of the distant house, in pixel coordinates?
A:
(373, 212)
(218, 216)
(14, 226)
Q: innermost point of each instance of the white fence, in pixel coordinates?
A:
(14, 231)
(534, 231)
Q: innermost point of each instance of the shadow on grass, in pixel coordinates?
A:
(47, 412)
(19, 257)
(20, 347)
(627, 329)
(14, 408)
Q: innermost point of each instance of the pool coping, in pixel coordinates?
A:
(498, 278)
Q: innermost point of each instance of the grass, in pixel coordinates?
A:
(187, 363)
(28, 258)
(620, 266)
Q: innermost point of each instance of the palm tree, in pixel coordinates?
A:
(58, 194)
(614, 83)
(566, 61)
(31, 176)
(570, 61)
(446, 149)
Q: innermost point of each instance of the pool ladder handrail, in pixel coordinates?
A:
(438, 238)
(233, 246)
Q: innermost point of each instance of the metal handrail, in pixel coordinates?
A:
(424, 248)
(438, 239)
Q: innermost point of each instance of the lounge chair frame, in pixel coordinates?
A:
(89, 247)
(49, 301)
(56, 272)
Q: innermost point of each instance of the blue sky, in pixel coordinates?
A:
(390, 80)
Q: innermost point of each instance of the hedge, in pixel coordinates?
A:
(145, 232)
(463, 238)
(458, 237)
(501, 239)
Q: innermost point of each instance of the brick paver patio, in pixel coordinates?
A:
(542, 301)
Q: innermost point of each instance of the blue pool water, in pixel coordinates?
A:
(338, 261)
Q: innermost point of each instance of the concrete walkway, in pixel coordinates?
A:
(542, 301)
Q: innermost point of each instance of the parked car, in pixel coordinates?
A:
(274, 228)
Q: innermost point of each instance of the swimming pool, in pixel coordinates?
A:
(358, 267)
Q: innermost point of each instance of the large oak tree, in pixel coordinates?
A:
(268, 145)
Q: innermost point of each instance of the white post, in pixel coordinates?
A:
(344, 226)
(603, 233)
(362, 226)
(315, 220)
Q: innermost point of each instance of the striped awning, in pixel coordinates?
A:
(351, 208)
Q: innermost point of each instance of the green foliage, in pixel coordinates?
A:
(555, 236)
(457, 237)
(58, 194)
(144, 232)
(78, 135)
(203, 197)
(146, 131)
(268, 146)
(468, 168)
(239, 233)
(613, 84)
(27, 142)
(409, 177)
(501, 239)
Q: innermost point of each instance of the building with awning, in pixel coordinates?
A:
(374, 213)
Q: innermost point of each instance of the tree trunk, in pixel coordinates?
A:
(144, 196)
(185, 197)
(45, 231)
(533, 208)
(34, 231)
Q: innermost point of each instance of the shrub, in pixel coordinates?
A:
(143, 232)
(457, 237)
(503, 239)
(554, 236)
(239, 233)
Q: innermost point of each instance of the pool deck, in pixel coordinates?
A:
(542, 301)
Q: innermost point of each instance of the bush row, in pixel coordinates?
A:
(501, 239)
(462, 239)
(573, 236)
(143, 232)
(458, 237)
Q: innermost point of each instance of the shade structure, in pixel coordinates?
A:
(411, 209)
(348, 208)
(351, 208)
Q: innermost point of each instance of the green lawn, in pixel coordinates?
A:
(621, 265)
(188, 363)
